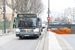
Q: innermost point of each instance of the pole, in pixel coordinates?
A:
(4, 16)
(48, 11)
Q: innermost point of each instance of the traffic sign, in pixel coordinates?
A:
(48, 18)
(49, 29)
(67, 21)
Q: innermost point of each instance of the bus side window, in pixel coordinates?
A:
(40, 23)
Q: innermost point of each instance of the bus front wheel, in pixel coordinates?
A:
(20, 37)
(37, 36)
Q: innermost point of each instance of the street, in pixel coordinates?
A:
(21, 44)
(51, 22)
(70, 38)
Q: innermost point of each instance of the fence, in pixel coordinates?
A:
(2, 25)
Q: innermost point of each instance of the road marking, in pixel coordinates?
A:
(63, 43)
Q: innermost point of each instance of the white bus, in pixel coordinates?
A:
(28, 25)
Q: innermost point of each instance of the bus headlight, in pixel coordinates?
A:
(36, 31)
(17, 31)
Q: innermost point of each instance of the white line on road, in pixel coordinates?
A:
(63, 43)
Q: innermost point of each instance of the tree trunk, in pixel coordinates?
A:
(12, 19)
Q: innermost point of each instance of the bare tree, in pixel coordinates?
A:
(12, 6)
(25, 6)
(34, 6)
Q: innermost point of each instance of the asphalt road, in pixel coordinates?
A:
(22, 44)
(70, 38)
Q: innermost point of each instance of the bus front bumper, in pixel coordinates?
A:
(23, 34)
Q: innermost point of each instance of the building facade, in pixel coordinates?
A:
(69, 14)
(73, 13)
(8, 11)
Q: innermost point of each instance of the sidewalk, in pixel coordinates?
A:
(7, 32)
(6, 39)
(53, 42)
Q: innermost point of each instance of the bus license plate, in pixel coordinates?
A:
(26, 35)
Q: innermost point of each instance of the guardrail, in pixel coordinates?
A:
(61, 25)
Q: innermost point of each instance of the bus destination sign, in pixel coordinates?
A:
(27, 15)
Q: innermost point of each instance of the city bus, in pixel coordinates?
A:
(28, 25)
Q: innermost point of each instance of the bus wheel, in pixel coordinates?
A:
(40, 33)
(37, 37)
(20, 37)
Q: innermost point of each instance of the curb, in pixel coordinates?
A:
(4, 34)
(40, 45)
(46, 42)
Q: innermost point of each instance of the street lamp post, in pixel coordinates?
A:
(48, 10)
(4, 17)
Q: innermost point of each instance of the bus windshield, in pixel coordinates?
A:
(27, 22)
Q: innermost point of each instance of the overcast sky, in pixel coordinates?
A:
(57, 5)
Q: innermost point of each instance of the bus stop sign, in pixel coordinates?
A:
(48, 18)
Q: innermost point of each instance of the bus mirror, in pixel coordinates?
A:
(14, 20)
(38, 19)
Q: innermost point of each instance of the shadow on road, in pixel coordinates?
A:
(28, 38)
